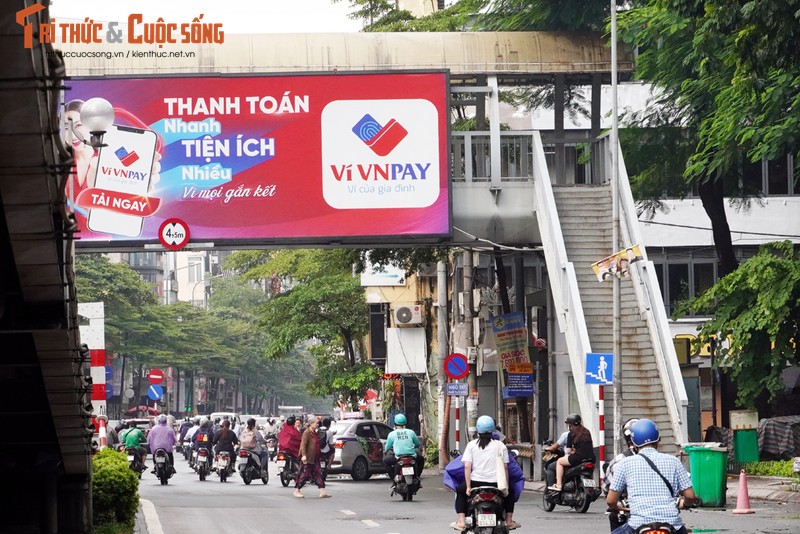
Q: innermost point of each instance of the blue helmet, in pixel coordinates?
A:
(400, 419)
(644, 432)
(485, 424)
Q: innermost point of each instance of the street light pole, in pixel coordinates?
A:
(617, 334)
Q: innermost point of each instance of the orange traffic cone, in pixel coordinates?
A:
(743, 498)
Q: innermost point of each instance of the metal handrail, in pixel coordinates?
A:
(564, 284)
(648, 296)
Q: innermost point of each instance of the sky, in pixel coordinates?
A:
(262, 16)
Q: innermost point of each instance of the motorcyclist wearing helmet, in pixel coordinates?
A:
(651, 498)
(401, 441)
(134, 438)
(579, 448)
(289, 437)
(480, 469)
(252, 439)
(614, 518)
(162, 436)
(186, 424)
(204, 438)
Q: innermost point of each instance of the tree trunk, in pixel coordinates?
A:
(713, 199)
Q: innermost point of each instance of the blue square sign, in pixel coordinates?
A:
(599, 368)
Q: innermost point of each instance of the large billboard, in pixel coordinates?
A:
(262, 160)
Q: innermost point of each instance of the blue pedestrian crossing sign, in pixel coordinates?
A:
(599, 368)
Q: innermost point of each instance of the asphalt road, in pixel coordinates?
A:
(188, 506)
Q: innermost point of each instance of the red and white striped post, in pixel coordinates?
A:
(98, 373)
(601, 427)
(458, 428)
(103, 436)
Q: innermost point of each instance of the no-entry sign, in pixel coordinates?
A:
(155, 376)
(455, 366)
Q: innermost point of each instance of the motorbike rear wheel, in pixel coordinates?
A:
(247, 477)
(284, 479)
(583, 501)
(202, 473)
(547, 506)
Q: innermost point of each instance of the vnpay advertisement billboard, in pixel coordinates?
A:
(263, 159)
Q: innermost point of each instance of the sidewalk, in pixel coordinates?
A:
(762, 488)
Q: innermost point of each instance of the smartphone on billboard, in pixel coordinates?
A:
(124, 165)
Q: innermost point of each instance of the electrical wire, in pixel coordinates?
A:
(788, 236)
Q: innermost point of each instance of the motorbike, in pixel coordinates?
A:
(406, 483)
(202, 463)
(579, 490)
(134, 461)
(163, 466)
(485, 512)
(288, 467)
(225, 466)
(272, 445)
(249, 466)
(187, 449)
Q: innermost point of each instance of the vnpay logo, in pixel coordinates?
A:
(401, 168)
(125, 157)
(381, 139)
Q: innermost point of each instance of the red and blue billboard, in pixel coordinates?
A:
(352, 158)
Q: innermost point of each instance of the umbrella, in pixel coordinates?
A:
(142, 408)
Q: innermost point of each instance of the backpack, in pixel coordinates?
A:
(248, 439)
(322, 435)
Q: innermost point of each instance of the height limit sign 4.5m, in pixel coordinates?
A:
(173, 234)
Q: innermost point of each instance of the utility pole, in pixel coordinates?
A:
(617, 321)
(472, 377)
(441, 382)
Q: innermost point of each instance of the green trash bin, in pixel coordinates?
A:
(708, 465)
(745, 445)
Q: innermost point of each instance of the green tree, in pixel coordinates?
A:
(757, 313)
(729, 79)
(123, 293)
(318, 302)
(368, 10)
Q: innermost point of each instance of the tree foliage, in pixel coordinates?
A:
(729, 79)
(757, 311)
(318, 307)
(455, 18)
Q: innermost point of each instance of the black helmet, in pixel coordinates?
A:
(573, 419)
(251, 421)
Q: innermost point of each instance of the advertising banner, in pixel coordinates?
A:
(511, 338)
(251, 160)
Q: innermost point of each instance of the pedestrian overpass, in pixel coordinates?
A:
(503, 192)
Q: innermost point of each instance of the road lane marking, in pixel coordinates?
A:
(151, 517)
(368, 522)
(348, 512)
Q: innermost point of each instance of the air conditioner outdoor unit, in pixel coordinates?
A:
(405, 315)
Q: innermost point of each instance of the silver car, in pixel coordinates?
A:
(359, 447)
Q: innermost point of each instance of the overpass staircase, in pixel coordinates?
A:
(586, 223)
